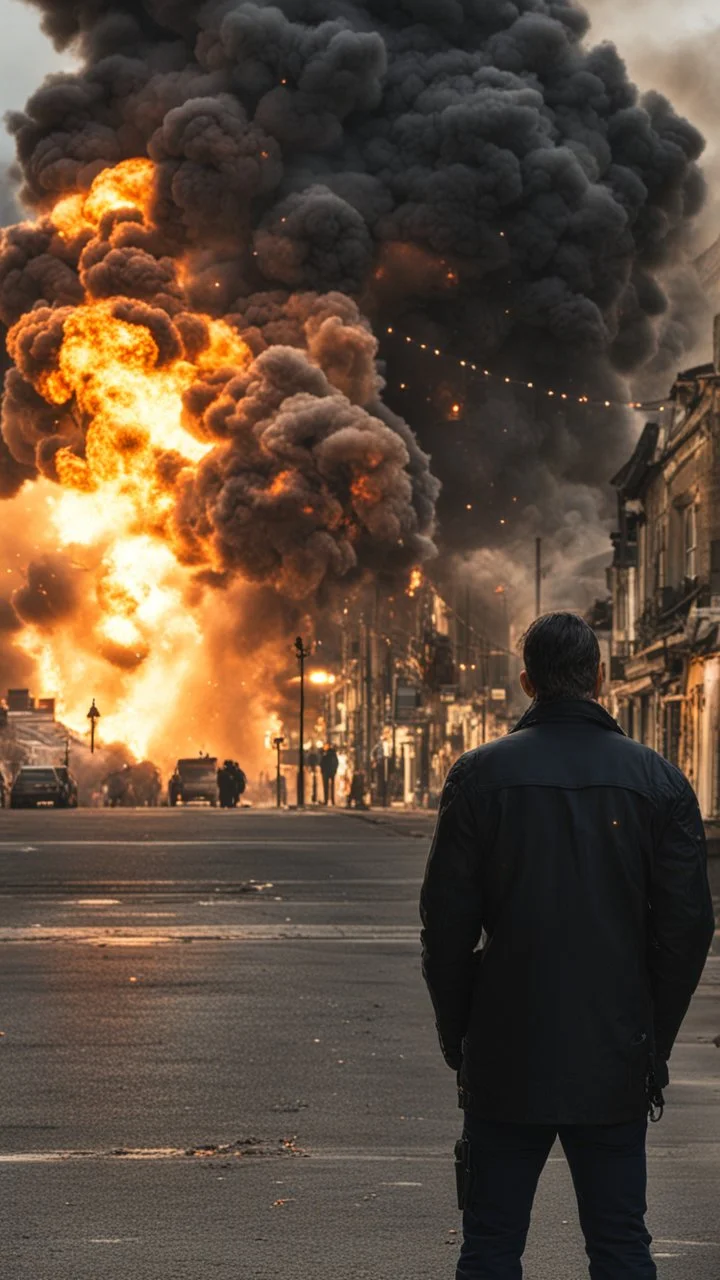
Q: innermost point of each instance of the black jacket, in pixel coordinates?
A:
(577, 857)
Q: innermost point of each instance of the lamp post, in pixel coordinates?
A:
(278, 745)
(93, 716)
(302, 653)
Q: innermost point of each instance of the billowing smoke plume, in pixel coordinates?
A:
(468, 173)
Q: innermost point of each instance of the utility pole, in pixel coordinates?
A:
(67, 753)
(93, 716)
(538, 577)
(301, 653)
(278, 744)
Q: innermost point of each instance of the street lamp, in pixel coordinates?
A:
(278, 745)
(302, 653)
(93, 716)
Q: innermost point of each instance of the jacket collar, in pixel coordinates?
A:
(568, 711)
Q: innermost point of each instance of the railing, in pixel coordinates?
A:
(669, 604)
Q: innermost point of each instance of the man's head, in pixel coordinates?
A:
(562, 659)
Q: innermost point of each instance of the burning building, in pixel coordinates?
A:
(262, 240)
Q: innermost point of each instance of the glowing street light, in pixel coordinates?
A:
(322, 678)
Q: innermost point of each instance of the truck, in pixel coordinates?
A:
(194, 779)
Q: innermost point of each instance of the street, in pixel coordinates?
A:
(219, 1060)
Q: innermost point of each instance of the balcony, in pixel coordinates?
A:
(668, 610)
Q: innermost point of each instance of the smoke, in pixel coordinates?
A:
(678, 54)
(319, 177)
(49, 594)
(680, 58)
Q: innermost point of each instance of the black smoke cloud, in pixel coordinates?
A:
(50, 593)
(472, 173)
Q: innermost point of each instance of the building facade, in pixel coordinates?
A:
(665, 584)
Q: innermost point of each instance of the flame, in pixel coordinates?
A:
(366, 490)
(416, 581)
(280, 484)
(127, 185)
(111, 511)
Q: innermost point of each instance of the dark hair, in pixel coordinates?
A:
(562, 657)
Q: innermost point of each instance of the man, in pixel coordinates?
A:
(577, 857)
(328, 767)
(238, 781)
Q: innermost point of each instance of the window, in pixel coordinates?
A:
(690, 541)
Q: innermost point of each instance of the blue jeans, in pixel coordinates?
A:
(609, 1172)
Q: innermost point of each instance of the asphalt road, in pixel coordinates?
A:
(218, 1061)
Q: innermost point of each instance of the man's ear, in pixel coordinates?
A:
(600, 682)
(528, 687)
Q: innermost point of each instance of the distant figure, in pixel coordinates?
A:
(312, 760)
(328, 768)
(118, 789)
(239, 782)
(225, 785)
(356, 795)
(231, 784)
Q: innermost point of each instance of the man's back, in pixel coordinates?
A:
(579, 855)
(566, 921)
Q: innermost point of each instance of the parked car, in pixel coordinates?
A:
(40, 784)
(194, 779)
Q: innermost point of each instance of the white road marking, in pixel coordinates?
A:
(93, 902)
(692, 1244)
(113, 1240)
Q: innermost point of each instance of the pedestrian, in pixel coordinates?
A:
(312, 760)
(238, 780)
(225, 785)
(328, 768)
(566, 922)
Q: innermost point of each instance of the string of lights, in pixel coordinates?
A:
(472, 368)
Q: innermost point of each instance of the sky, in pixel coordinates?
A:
(671, 45)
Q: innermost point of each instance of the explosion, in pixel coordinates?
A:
(230, 200)
(178, 453)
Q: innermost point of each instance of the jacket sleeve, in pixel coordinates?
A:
(681, 917)
(451, 914)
